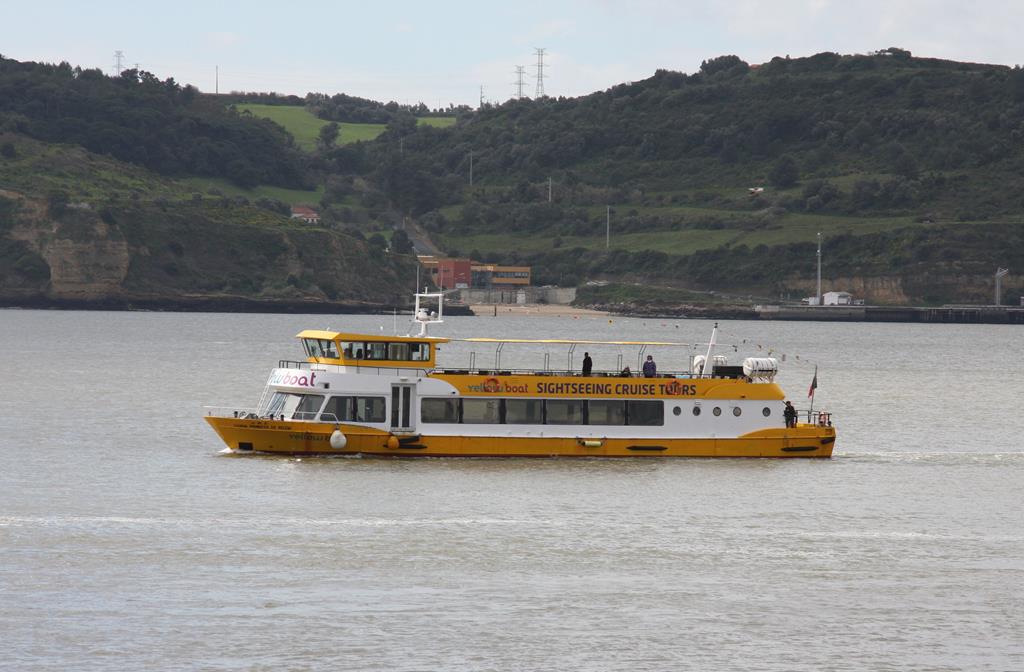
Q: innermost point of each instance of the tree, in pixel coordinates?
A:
(400, 243)
(328, 136)
(785, 173)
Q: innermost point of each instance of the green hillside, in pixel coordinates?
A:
(867, 149)
(305, 126)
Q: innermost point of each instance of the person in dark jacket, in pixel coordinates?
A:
(790, 415)
(650, 368)
(588, 364)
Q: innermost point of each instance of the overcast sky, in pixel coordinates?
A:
(442, 52)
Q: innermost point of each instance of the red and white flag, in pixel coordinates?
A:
(814, 383)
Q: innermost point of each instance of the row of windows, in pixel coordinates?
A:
(338, 409)
(373, 350)
(485, 411)
(543, 411)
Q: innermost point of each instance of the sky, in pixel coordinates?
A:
(441, 53)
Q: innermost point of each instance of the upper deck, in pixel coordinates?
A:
(366, 350)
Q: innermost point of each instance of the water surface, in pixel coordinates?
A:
(127, 541)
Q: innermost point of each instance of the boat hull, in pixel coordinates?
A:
(308, 438)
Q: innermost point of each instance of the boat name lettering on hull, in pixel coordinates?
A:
(296, 379)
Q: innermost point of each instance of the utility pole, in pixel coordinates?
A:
(607, 226)
(549, 190)
(118, 57)
(820, 303)
(520, 73)
(540, 73)
(216, 79)
(1000, 274)
(481, 97)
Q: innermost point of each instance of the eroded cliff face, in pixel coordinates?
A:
(143, 255)
(880, 290)
(918, 288)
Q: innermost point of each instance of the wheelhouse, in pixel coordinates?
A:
(349, 349)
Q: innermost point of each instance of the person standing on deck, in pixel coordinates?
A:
(790, 415)
(650, 368)
(588, 364)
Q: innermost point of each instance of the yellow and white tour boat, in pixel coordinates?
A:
(387, 396)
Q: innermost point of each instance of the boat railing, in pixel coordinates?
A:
(293, 364)
(819, 418)
(256, 414)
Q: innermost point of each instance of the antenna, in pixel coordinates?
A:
(423, 316)
(519, 83)
(1000, 274)
(216, 79)
(540, 73)
(118, 57)
(819, 269)
(481, 96)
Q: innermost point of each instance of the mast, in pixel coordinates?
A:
(423, 315)
(711, 346)
(819, 269)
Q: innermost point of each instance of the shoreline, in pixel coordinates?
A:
(536, 309)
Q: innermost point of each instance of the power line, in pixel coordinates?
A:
(540, 73)
(519, 83)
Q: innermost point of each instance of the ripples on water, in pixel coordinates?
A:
(128, 541)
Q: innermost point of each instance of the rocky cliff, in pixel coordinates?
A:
(186, 255)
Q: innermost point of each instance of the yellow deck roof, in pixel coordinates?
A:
(349, 336)
(562, 341)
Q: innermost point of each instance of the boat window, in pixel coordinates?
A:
(737, 411)
(524, 411)
(439, 410)
(306, 406)
(398, 351)
(766, 411)
(309, 405)
(606, 412)
(338, 409)
(645, 413)
(353, 350)
(376, 350)
(294, 406)
(419, 352)
(319, 347)
(696, 410)
(481, 411)
(676, 410)
(717, 411)
(564, 411)
(370, 409)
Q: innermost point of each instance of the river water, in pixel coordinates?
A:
(127, 541)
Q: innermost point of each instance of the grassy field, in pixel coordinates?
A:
(791, 228)
(437, 122)
(305, 127)
(202, 185)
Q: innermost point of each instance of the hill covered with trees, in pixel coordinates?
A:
(873, 150)
(137, 118)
